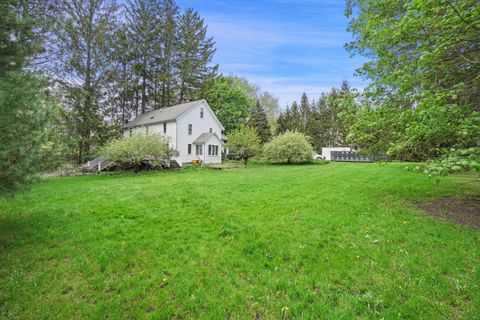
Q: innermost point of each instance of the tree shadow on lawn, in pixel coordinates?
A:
(24, 230)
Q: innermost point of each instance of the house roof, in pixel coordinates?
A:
(162, 115)
(204, 137)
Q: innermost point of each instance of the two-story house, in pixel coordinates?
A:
(192, 128)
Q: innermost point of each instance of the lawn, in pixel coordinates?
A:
(336, 241)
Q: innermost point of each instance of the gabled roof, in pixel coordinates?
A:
(162, 115)
(204, 137)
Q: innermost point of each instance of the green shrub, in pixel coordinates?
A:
(138, 149)
(290, 147)
(455, 161)
(244, 143)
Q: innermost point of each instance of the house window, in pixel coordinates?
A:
(198, 149)
(189, 149)
(190, 127)
(165, 127)
(212, 150)
(210, 130)
(201, 113)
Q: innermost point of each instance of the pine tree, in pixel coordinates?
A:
(284, 122)
(304, 111)
(122, 77)
(17, 41)
(167, 76)
(295, 121)
(258, 120)
(26, 107)
(145, 31)
(83, 38)
(195, 52)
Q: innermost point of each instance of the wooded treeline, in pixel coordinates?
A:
(110, 62)
(326, 121)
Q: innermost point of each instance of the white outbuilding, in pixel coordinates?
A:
(327, 152)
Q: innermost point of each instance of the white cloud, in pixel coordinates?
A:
(283, 56)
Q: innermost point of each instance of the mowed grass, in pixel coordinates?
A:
(338, 241)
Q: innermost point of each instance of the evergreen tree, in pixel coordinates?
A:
(258, 120)
(304, 111)
(295, 121)
(195, 52)
(122, 77)
(17, 41)
(26, 108)
(282, 121)
(169, 16)
(145, 28)
(83, 39)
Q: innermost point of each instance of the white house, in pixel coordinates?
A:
(192, 128)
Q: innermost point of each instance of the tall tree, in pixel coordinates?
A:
(122, 76)
(195, 52)
(145, 31)
(169, 33)
(296, 117)
(27, 110)
(424, 62)
(229, 102)
(17, 40)
(267, 100)
(304, 111)
(258, 120)
(83, 34)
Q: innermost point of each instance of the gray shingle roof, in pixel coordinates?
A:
(204, 137)
(162, 115)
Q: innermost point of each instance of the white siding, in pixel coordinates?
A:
(157, 128)
(213, 159)
(136, 130)
(199, 126)
(171, 131)
(177, 131)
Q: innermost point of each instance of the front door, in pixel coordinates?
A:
(199, 152)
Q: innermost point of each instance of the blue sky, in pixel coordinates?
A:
(286, 47)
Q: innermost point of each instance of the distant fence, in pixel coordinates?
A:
(349, 156)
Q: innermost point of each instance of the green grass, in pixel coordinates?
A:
(336, 241)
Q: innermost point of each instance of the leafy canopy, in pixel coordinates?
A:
(139, 148)
(230, 103)
(244, 143)
(289, 147)
(424, 62)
